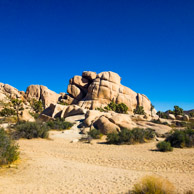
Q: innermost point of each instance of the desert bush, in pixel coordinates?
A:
(6, 112)
(37, 105)
(30, 130)
(153, 185)
(125, 136)
(177, 110)
(139, 110)
(59, 124)
(159, 122)
(8, 148)
(119, 108)
(95, 134)
(164, 146)
(162, 115)
(181, 138)
(191, 114)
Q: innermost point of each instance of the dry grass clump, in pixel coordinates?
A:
(153, 185)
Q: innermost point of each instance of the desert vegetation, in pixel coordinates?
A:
(8, 148)
(139, 110)
(118, 108)
(153, 185)
(95, 133)
(136, 135)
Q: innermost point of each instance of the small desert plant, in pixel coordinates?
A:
(125, 136)
(30, 130)
(164, 146)
(153, 185)
(162, 115)
(37, 105)
(95, 134)
(159, 122)
(6, 112)
(139, 110)
(59, 124)
(8, 148)
(119, 108)
(181, 138)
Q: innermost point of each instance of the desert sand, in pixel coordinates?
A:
(58, 166)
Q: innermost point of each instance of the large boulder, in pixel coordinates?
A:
(40, 92)
(123, 121)
(89, 75)
(26, 116)
(186, 118)
(72, 110)
(179, 117)
(161, 130)
(105, 126)
(171, 116)
(75, 92)
(92, 115)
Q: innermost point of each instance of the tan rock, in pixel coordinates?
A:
(110, 76)
(171, 116)
(186, 118)
(40, 92)
(89, 75)
(80, 82)
(26, 116)
(58, 110)
(105, 126)
(123, 121)
(75, 92)
(160, 129)
(179, 117)
(74, 110)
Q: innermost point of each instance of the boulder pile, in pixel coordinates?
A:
(93, 90)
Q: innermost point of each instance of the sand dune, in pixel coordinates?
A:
(58, 166)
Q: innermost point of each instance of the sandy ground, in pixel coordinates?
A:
(58, 166)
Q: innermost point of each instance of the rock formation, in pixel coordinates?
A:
(42, 93)
(93, 90)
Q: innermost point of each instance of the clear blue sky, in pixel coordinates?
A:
(149, 43)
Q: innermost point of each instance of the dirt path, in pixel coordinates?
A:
(58, 166)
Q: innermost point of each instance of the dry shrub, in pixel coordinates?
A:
(153, 185)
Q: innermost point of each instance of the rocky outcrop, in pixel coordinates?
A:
(93, 90)
(42, 93)
(8, 91)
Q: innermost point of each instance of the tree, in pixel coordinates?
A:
(18, 106)
(178, 110)
(37, 105)
(152, 108)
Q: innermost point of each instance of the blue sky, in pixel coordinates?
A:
(150, 44)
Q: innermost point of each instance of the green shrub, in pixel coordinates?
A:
(8, 149)
(191, 114)
(30, 130)
(181, 138)
(159, 122)
(6, 112)
(59, 124)
(119, 108)
(95, 134)
(37, 105)
(153, 185)
(178, 111)
(139, 110)
(164, 146)
(162, 115)
(125, 136)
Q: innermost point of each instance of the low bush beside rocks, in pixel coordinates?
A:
(8, 148)
(136, 135)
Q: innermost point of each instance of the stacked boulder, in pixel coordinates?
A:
(93, 90)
